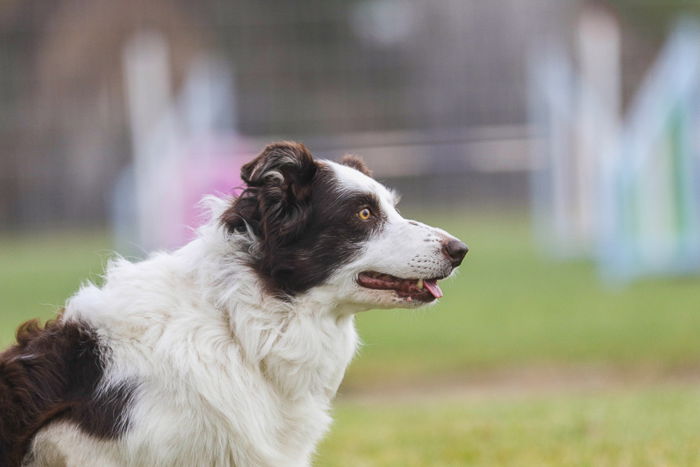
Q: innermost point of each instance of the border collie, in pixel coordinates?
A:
(229, 350)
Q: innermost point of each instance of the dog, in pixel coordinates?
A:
(229, 350)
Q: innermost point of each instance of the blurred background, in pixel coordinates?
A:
(559, 139)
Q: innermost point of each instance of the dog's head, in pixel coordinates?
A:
(330, 227)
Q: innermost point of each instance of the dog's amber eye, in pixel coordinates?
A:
(364, 214)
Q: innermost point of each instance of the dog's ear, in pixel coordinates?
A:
(276, 200)
(286, 164)
(357, 163)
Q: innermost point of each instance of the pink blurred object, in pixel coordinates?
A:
(212, 168)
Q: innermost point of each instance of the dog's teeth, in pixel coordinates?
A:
(419, 284)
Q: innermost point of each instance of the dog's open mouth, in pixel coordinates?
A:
(425, 290)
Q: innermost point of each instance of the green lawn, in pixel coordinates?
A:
(508, 309)
(38, 273)
(510, 306)
(653, 427)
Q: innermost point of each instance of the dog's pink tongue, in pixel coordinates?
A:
(433, 288)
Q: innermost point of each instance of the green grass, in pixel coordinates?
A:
(654, 427)
(508, 307)
(38, 274)
(511, 306)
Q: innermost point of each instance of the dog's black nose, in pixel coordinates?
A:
(455, 251)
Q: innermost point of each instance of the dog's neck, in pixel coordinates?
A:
(302, 346)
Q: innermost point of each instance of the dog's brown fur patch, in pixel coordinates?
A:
(51, 374)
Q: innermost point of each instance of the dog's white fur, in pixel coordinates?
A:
(227, 374)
